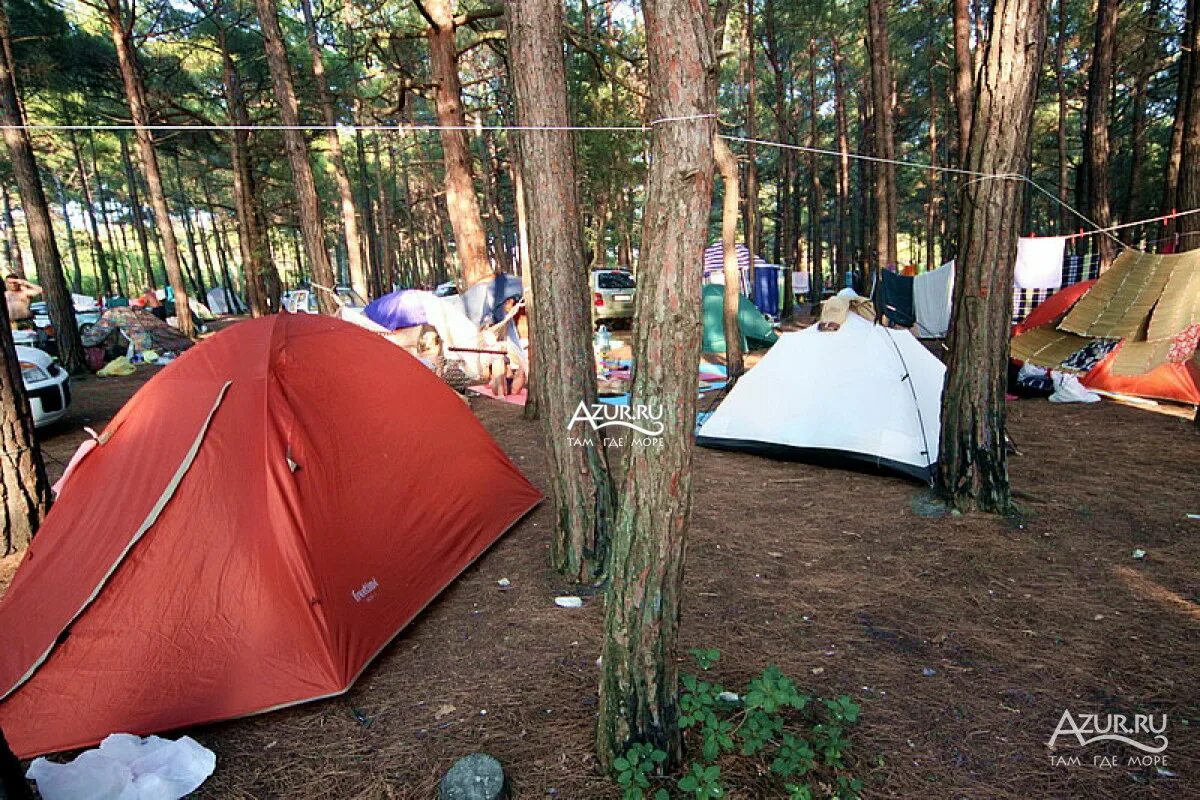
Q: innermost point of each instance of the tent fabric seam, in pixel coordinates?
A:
(155, 512)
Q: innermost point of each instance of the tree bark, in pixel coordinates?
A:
(816, 194)
(137, 212)
(41, 231)
(1060, 52)
(312, 228)
(89, 206)
(135, 96)
(973, 463)
(461, 202)
(1189, 170)
(580, 484)
(1096, 141)
(964, 73)
(750, 224)
(885, 146)
(843, 173)
(337, 162)
(250, 233)
(24, 489)
(638, 686)
(72, 248)
(1175, 153)
(727, 166)
(14, 260)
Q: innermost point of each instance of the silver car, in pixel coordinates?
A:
(613, 292)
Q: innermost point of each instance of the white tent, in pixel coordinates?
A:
(223, 301)
(861, 395)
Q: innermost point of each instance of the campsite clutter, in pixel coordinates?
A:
(127, 767)
(330, 536)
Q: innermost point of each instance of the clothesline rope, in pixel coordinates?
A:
(423, 127)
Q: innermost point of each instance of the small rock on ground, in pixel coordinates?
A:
(474, 777)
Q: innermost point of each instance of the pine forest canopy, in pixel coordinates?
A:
(393, 207)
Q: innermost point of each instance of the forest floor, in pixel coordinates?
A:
(963, 638)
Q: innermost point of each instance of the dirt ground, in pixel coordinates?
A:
(963, 638)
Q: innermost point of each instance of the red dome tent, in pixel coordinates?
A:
(1176, 381)
(256, 524)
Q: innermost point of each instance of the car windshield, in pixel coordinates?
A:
(615, 280)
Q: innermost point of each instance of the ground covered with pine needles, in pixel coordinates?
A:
(963, 638)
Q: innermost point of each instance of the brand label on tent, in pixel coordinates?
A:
(643, 419)
(364, 591)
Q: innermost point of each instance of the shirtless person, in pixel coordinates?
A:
(18, 294)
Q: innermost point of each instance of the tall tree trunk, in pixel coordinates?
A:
(250, 233)
(195, 273)
(816, 194)
(750, 223)
(1096, 143)
(118, 256)
(45, 254)
(138, 214)
(492, 192)
(1189, 170)
(349, 214)
(1064, 164)
(580, 484)
(639, 674)
(885, 146)
(1175, 153)
(72, 248)
(24, 489)
(461, 203)
(843, 172)
(135, 96)
(89, 206)
(727, 166)
(365, 191)
(973, 462)
(1147, 58)
(964, 73)
(14, 260)
(308, 206)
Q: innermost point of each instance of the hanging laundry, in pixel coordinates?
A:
(1040, 262)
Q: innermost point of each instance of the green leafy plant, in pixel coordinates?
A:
(635, 768)
(702, 781)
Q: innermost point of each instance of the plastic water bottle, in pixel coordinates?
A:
(603, 340)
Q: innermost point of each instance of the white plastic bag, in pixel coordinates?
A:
(1068, 389)
(127, 767)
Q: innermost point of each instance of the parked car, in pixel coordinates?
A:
(304, 300)
(446, 289)
(87, 314)
(612, 295)
(47, 384)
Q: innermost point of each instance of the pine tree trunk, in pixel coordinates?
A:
(964, 75)
(1170, 199)
(1060, 52)
(349, 214)
(89, 206)
(72, 248)
(816, 194)
(750, 223)
(37, 221)
(973, 462)
(135, 96)
(13, 258)
(843, 173)
(1189, 169)
(727, 167)
(250, 233)
(308, 206)
(580, 484)
(885, 147)
(461, 202)
(24, 489)
(1096, 139)
(638, 686)
(138, 215)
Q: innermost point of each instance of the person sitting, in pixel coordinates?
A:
(19, 294)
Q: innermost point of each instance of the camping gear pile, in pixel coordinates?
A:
(845, 392)
(120, 328)
(1133, 331)
(248, 533)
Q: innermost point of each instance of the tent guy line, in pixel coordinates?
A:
(220, 127)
